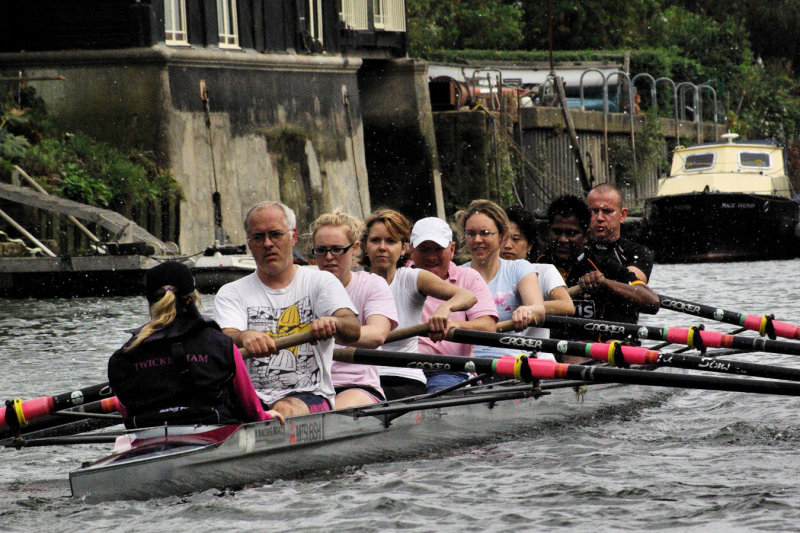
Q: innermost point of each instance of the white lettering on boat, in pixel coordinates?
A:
(712, 364)
(604, 328)
(430, 415)
(426, 365)
(533, 344)
(680, 306)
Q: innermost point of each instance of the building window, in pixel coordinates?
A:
(389, 15)
(315, 20)
(228, 24)
(175, 22)
(354, 14)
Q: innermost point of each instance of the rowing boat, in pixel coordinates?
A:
(173, 460)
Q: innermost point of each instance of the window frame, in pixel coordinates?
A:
(755, 167)
(700, 169)
(175, 36)
(227, 24)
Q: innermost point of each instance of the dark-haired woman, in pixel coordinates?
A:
(520, 243)
(179, 368)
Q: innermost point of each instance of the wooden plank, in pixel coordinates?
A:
(110, 220)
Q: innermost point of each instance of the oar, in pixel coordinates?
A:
(17, 413)
(620, 355)
(764, 325)
(60, 418)
(525, 369)
(283, 342)
(687, 336)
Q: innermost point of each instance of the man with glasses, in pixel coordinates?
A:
(432, 250)
(281, 299)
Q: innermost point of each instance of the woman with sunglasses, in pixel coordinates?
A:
(514, 284)
(335, 239)
(387, 248)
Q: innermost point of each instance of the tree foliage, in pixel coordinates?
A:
(747, 50)
(436, 24)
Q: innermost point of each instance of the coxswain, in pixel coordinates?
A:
(609, 273)
(179, 368)
(277, 300)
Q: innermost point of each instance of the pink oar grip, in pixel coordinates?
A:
(540, 368)
(782, 329)
(787, 331)
(31, 409)
(678, 335)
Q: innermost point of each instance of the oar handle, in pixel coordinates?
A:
(284, 342)
(418, 330)
(574, 291)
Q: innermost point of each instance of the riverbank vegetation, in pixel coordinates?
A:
(73, 165)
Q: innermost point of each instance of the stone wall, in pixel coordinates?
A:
(283, 127)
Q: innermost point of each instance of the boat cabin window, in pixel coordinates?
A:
(699, 161)
(754, 160)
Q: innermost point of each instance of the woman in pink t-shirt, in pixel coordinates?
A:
(336, 242)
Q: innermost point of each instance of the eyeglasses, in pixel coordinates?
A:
(483, 233)
(274, 236)
(322, 251)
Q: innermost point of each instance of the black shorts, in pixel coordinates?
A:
(396, 387)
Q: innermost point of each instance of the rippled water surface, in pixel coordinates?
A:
(688, 460)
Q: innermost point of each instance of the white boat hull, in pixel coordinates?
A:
(264, 451)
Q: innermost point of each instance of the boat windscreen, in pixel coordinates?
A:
(699, 161)
(754, 160)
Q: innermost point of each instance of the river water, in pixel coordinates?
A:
(688, 460)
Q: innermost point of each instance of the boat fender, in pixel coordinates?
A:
(694, 339)
(615, 356)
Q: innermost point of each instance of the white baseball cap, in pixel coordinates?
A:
(431, 229)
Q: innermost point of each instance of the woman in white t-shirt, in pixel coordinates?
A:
(336, 241)
(514, 284)
(386, 247)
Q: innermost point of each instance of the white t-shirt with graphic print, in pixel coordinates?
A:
(249, 304)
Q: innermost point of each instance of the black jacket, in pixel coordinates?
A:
(182, 374)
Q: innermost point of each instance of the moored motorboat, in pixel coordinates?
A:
(221, 264)
(724, 201)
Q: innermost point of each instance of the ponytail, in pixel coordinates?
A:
(162, 314)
